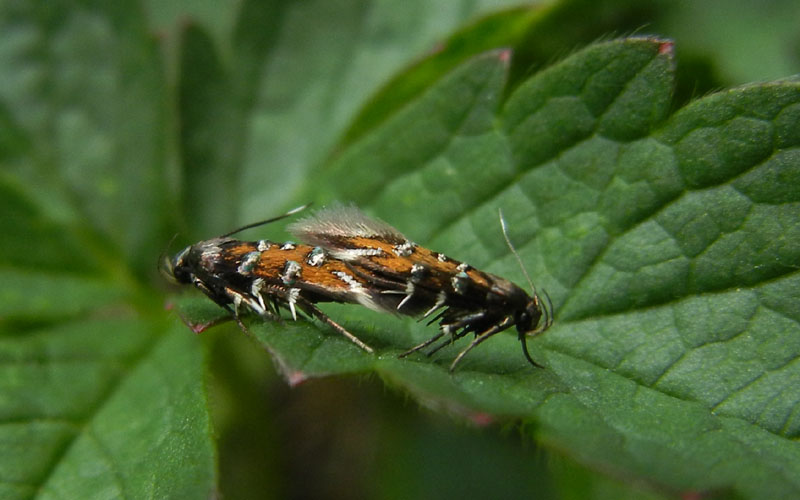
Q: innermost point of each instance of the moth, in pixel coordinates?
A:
(264, 277)
(409, 279)
(348, 257)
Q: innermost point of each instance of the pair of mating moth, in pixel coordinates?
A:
(349, 257)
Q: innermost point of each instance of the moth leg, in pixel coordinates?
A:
(291, 298)
(435, 318)
(236, 299)
(254, 302)
(423, 345)
(218, 298)
(265, 310)
(314, 311)
(222, 300)
(441, 298)
(448, 329)
(276, 296)
(499, 327)
(446, 342)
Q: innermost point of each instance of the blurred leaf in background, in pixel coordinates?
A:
(664, 229)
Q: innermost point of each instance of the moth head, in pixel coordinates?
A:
(528, 320)
(175, 269)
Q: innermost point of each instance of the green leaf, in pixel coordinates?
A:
(93, 121)
(502, 29)
(104, 408)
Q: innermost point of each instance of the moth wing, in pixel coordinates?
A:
(336, 227)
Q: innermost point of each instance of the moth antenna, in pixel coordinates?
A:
(548, 311)
(266, 221)
(514, 251)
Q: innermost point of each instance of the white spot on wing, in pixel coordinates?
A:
(351, 254)
(404, 249)
(316, 257)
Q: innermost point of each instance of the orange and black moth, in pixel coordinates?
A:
(348, 257)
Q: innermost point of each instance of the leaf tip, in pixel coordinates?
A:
(504, 55)
(197, 327)
(295, 378)
(481, 419)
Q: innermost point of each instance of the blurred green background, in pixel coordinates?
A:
(319, 71)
